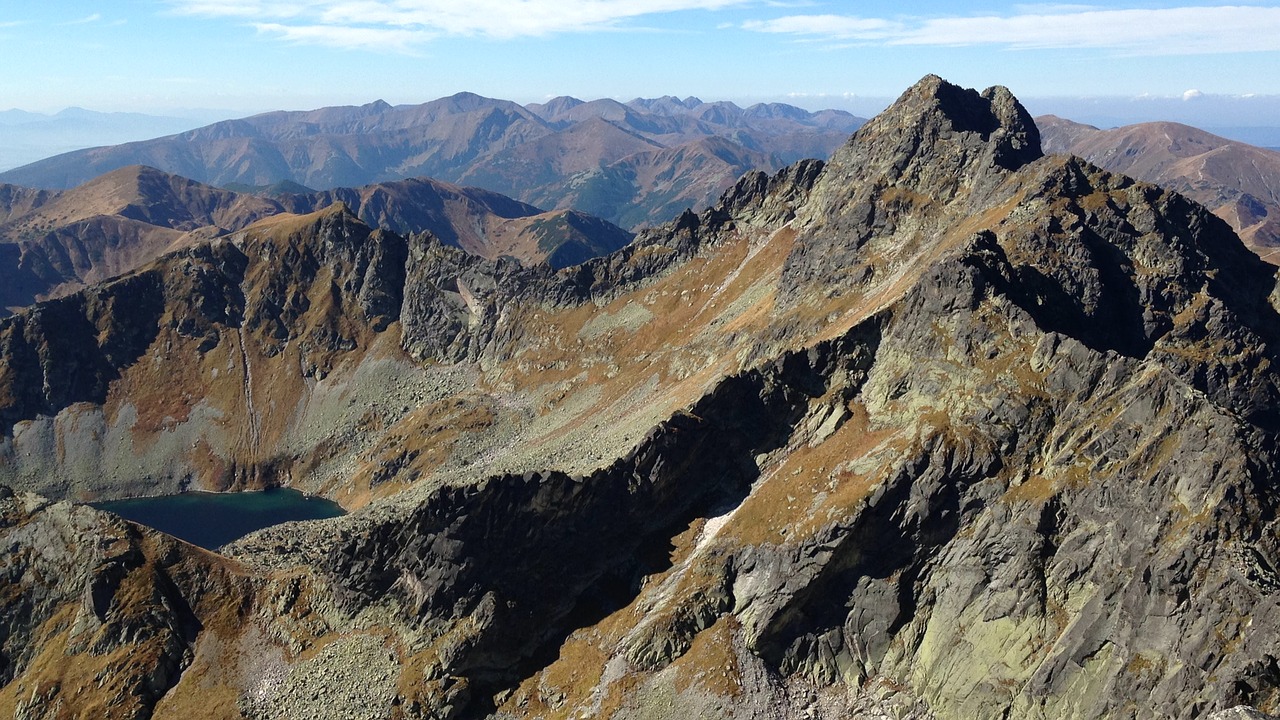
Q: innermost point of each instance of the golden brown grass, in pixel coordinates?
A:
(783, 504)
(711, 663)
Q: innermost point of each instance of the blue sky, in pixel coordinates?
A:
(246, 56)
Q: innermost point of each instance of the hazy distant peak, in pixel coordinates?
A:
(554, 107)
(15, 116)
(563, 101)
(667, 104)
(76, 112)
(776, 110)
(469, 101)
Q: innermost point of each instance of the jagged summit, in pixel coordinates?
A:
(995, 115)
(940, 135)
(900, 192)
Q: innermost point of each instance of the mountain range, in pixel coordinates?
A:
(634, 163)
(942, 427)
(54, 242)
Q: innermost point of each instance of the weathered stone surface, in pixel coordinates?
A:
(100, 616)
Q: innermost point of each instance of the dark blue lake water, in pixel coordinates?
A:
(212, 520)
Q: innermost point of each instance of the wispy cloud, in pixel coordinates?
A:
(1169, 31)
(840, 27)
(256, 9)
(373, 23)
(85, 20)
(348, 38)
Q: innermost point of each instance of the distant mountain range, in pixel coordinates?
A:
(1240, 183)
(54, 242)
(631, 163)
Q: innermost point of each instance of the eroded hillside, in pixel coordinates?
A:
(940, 428)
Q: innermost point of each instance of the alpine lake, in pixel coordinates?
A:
(212, 520)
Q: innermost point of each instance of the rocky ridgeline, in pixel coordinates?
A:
(1001, 443)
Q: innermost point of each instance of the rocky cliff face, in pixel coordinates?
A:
(942, 428)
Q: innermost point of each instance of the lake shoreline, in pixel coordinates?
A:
(213, 519)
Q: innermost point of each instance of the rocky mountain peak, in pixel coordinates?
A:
(995, 116)
(906, 178)
(938, 136)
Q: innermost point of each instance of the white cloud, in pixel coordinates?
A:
(251, 9)
(1051, 8)
(1187, 30)
(85, 20)
(348, 38)
(326, 21)
(1192, 94)
(842, 27)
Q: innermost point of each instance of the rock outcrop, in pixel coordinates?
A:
(101, 617)
(1234, 180)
